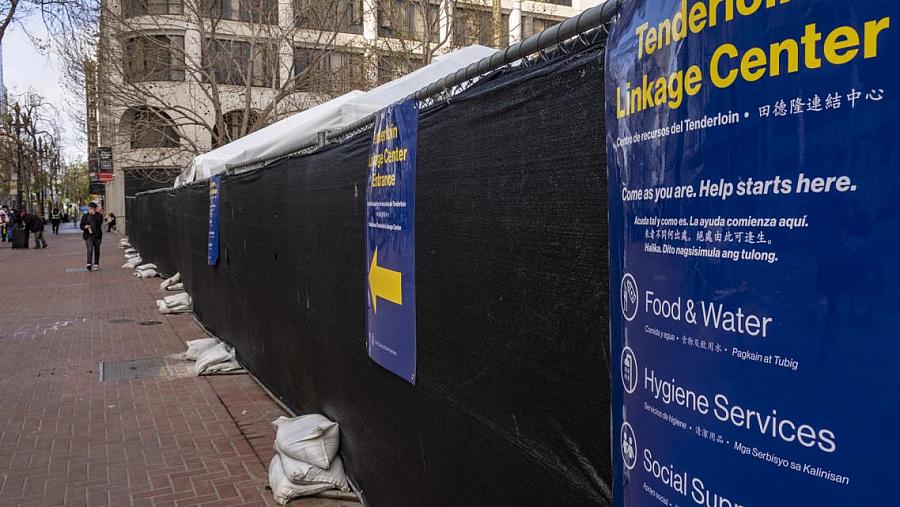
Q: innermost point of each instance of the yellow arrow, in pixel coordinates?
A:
(384, 283)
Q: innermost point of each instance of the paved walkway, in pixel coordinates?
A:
(68, 438)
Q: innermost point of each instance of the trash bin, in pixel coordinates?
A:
(19, 238)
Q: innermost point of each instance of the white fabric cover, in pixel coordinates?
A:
(309, 438)
(197, 347)
(168, 282)
(285, 136)
(283, 490)
(299, 472)
(280, 137)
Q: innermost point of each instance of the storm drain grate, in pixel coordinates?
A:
(120, 321)
(131, 369)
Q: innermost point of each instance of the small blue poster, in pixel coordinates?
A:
(215, 185)
(391, 240)
(753, 152)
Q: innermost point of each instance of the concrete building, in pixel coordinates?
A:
(176, 78)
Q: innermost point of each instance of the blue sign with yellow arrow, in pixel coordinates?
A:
(391, 240)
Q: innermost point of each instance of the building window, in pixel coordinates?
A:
(473, 25)
(153, 7)
(150, 127)
(409, 20)
(329, 71)
(331, 15)
(255, 11)
(234, 127)
(241, 63)
(395, 65)
(259, 11)
(536, 24)
(155, 58)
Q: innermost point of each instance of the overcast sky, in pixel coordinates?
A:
(25, 67)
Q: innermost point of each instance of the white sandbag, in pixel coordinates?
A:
(180, 299)
(145, 273)
(299, 472)
(182, 304)
(176, 310)
(224, 367)
(177, 286)
(146, 266)
(130, 251)
(283, 490)
(310, 438)
(197, 347)
(212, 356)
(132, 255)
(168, 282)
(132, 263)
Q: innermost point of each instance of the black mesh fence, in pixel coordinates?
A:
(511, 405)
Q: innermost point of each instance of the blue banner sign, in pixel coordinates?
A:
(391, 240)
(215, 186)
(753, 151)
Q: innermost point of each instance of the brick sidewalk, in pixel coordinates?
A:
(66, 438)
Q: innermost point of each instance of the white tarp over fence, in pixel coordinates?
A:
(288, 135)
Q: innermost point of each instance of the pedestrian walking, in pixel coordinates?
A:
(92, 232)
(55, 219)
(111, 223)
(5, 222)
(35, 224)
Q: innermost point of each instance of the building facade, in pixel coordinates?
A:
(176, 78)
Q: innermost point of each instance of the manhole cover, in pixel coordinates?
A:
(121, 321)
(150, 322)
(130, 369)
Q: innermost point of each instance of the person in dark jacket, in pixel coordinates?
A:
(111, 223)
(92, 233)
(55, 219)
(35, 224)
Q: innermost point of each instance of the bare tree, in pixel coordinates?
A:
(29, 149)
(180, 77)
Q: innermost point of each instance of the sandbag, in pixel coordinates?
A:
(301, 472)
(180, 299)
(132, 263)
(212, 356)
(145, 273)
(283, 490)
(223, 367)
(197, 347)
(177, 286)
(178, 303)
(309, 438)
(130, 251)
(142, 267)
(168, 282)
